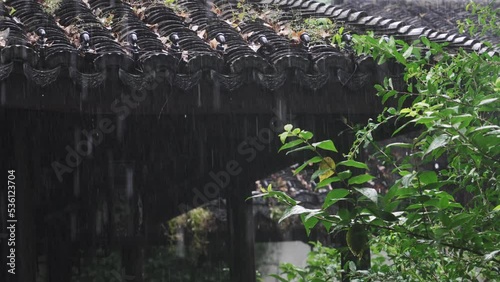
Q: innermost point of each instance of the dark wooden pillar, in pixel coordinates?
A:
(59, 249)
(127, 221)
(132, 261)
(8, 162)
(241, 232)
(25, 193)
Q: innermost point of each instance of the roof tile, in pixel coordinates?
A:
(91, 36)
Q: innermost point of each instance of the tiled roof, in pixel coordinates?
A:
(89, 37)
(440, 15)
(382, 19)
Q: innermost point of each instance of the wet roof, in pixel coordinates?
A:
(439, 15)
(186, 36)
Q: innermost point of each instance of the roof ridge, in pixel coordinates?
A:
(360, 20)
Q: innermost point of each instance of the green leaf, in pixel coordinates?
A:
(352, 266)
(392, 206)
(352, 163)
(497, 208)
(319, 172)
(291, 144)
(491, 255)
(334, 196)
(283, 137)
(384, 215)
(295, 210)
(328, 181)
(282, 196)
(307, 147)
(360, 179)
(438, 142)
(306, 135)
(344, 174)
(313, 160)
(443, 203)
(329, 220)
(487, 101)
(425, 41)
(400, 145)
(400, 58)
(445, 219)
(370, 193)
(408, 52)
(406, 192)
(288, 127)
(407, 179)
(257, 196)
(428, 177)
(325, 145)
(344, 214)
(309, 221)
(486, 127)
(462, 121)
(388, 95)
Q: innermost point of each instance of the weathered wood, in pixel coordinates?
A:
(26, 256)
(241, 234)
(132, 261)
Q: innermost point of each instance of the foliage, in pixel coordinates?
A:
(244, 12)
(177, 8)
(50, 6)
(195, 225)
(164, 265)
(99, 269)
(322, 265)
(432, 224)
(320, 30)
(487, 19)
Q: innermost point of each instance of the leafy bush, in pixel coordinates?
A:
(322, 265)
(432, 224)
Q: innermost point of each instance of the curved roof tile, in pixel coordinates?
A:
(93, 37)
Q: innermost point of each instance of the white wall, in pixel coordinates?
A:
(269, 256)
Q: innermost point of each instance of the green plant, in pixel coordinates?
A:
(320, 30)
(433, 224)
(177, 8)
(99, 269)
(486, 19)
(195, 225)
(51, 6)
(244, 12)
(164, 265)
(322, 265)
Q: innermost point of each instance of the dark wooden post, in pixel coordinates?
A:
(132, 261)
(25, 226)
(125, 215)
(241, 232)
